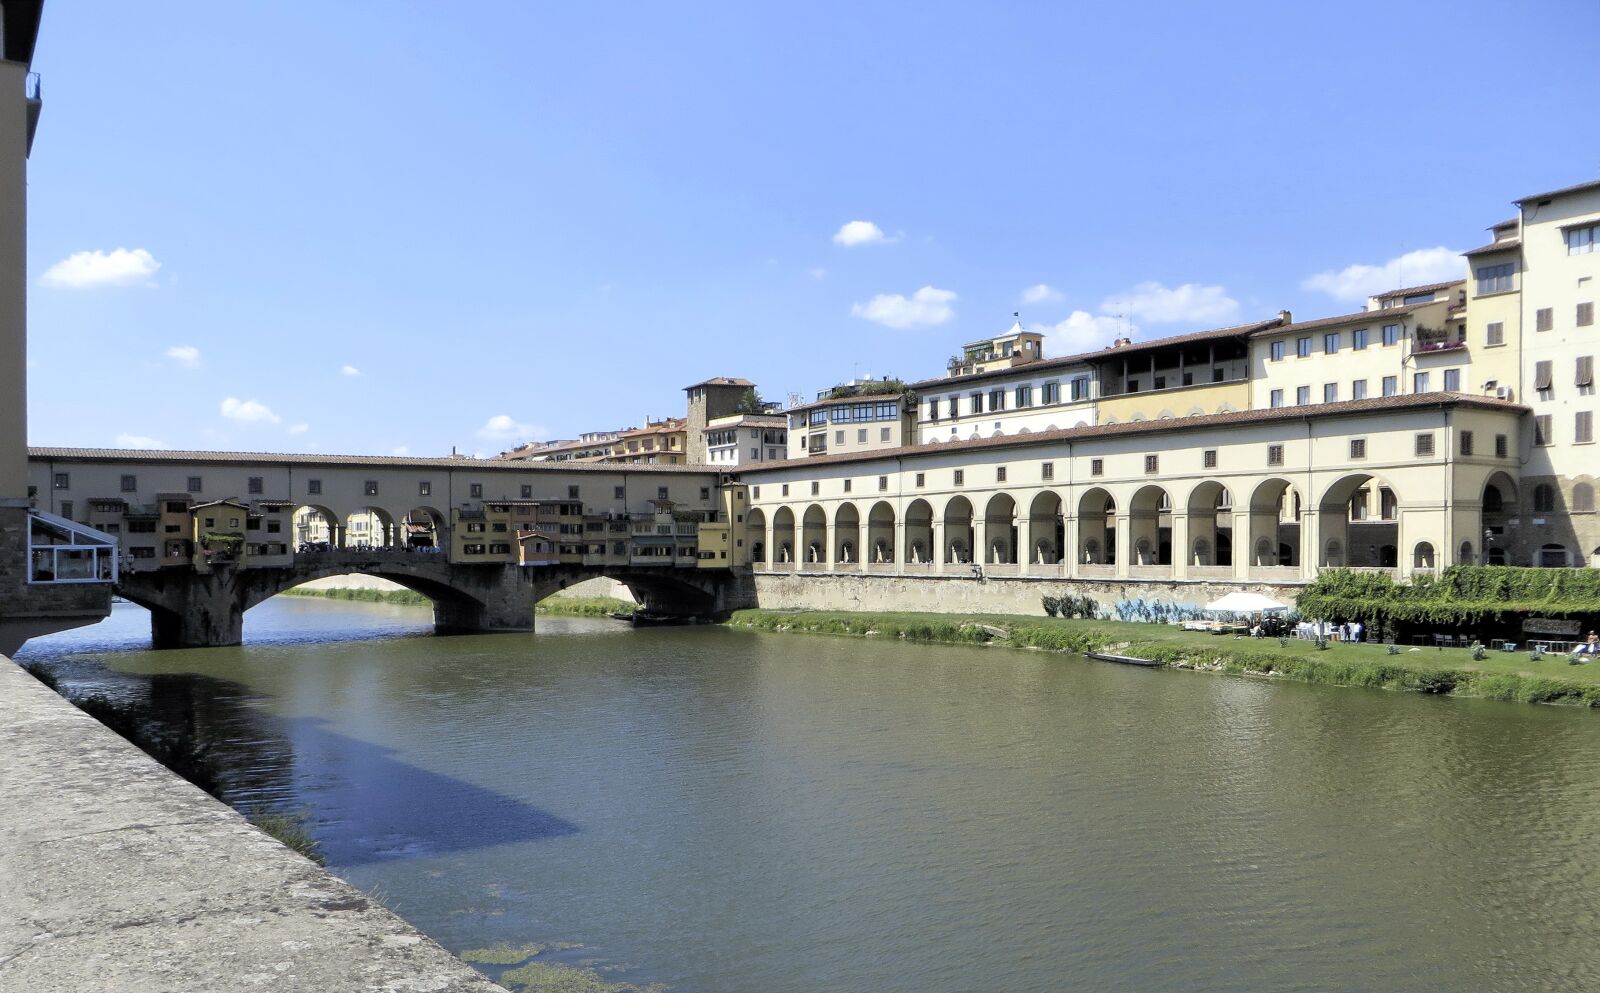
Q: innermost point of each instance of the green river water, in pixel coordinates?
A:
(731, 812)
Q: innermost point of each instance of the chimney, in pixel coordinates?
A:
(1285, 317)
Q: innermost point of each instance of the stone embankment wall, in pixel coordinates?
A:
(1007, 595)
(600, 586)
(117, 875)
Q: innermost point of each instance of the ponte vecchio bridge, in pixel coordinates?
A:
(204, 536)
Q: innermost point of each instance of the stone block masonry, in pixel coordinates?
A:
(117, 875)
(995, 595)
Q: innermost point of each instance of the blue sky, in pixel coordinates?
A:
(400, 227)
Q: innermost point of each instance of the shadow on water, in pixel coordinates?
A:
(366, 806)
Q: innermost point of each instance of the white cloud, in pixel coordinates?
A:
(502, 426)
(349, 370)
(85, 270)
(137, 441)
(187, 356)
(1354, 283)
(1041, 293)
(817, 272)
(1085, 332)
(249, 411)
(1190, 303)
(925, 308)
(400, 450)
(300, 428)
(860, 233)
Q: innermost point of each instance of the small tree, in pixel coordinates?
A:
(750, 402)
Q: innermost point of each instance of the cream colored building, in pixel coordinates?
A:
(863, 416)
(738, 440)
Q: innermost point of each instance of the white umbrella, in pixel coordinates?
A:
(1245, 603)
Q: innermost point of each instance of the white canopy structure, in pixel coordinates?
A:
(1245, 603)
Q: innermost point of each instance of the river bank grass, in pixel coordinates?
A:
(584, 606)
(1498, 676)
(409, 598)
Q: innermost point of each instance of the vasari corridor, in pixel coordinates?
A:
(915, 499)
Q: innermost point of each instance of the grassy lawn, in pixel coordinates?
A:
(1500, 675)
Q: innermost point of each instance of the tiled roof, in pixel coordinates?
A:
(839, 400)
(1359, 317)
(721, 381)
(142, 455)
(1081, 358)
(1406, 291)
(1593, 184)
(1494, 246)
(1411, 401)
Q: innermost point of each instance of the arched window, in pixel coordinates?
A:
(1553, 556)
(1264, 552)
(1388, 557)
(1422, 556)
(1544, 499)
(1091, 552)
(1142, 552)
(1202, 552)
(1334, 555)
(1464, 554)
(1583, 498)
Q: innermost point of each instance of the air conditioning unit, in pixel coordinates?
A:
(1502, 393)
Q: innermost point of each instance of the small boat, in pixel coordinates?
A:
(648, 619)
(1124, 659)
(618, 615)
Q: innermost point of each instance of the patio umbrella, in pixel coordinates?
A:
(1246, 603)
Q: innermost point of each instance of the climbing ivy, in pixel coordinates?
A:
(1462, 595)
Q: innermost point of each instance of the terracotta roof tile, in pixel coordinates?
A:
(373, 461)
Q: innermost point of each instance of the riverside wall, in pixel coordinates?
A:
(994, 595)
(115, 874)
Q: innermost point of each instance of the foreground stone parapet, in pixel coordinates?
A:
(116, 874)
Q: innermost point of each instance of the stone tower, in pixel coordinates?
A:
(716, 397)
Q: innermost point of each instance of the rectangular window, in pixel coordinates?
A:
(1391, 334)
(255, 484)
(1452, 380)
(1501, 446)
(130, 484)
(1466, 443)
(961, 477)
(1419, 382)
(883, 434)
(1583, 427)
(1278, 349)
(1047, 471)
(846, 485)
(1541, 429)
(1585, 315)
(1581, 241)
(194, 484)
(997, 401)
(1097, 467)
(705, 492)
(883, 484)
(1277, 398)
(1330, 392)
(1000, 474)
(1208, 458)
(1024, 396)
(572, 492)
(1080, 388)
(1274, 455)
(473, 490)
(1302, 395)
(1330, 343)
(976, 403)
(955, 407)
(933, 408)
(1391, 385)
(1494, 333)
(661, 493)
(785, 491)
(922, 479)
(1152, 464)
(424, 488)
(313, 486)
(1544, 319)
(1494, 278)
(1425, 445)
(1358, 389)
(1585, 371)
(1302, 347)
(755, 493)
(816, 487)
(1358, 339)
(1543, 376)
(1052, 393)
(1358, 448)
(62, 481)
(838, 437)
(370, 487)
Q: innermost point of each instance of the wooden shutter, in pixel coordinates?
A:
(1541, 375)
(1586, 370)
